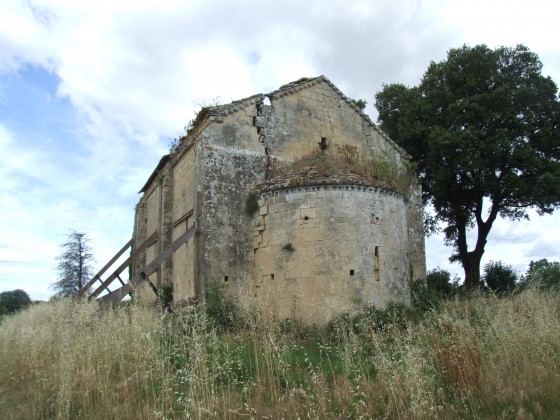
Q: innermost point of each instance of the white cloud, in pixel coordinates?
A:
(135, 71)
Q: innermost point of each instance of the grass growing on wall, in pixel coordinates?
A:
(378, 168)
(477, 357)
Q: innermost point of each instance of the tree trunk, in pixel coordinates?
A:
(471, 265)
(471, 260)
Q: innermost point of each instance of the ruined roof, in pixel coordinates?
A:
(234, 106)
(321, 174)
(159, 166)
(218, 112)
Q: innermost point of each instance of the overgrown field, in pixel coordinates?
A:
(477, 357)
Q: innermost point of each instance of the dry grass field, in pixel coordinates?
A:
(477, 357)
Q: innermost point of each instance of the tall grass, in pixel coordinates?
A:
(478, 357)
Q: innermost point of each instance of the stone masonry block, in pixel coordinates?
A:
(316, 202)
(263, 210)
(346, 212)
(320, 212)
(306, 214)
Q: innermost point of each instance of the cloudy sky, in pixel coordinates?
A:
(93, 92)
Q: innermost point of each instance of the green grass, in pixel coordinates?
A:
(478, 357)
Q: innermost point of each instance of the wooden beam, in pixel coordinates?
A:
(111, 299)
(183, 218)
(84, 289)
(116, 296)
(110, 279)
(124, 265)
(151, 268)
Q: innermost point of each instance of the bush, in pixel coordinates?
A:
(222, 311)
(499, 277)
(425, 298)
(542, 274)
(440, 281)
(13, 301)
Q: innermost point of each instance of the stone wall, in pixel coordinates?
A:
(320, 250)
(184, 202)
(231, 161)
(338, 234)
(315, 115)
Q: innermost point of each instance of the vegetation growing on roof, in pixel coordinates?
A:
(379, 168)
(199, 117)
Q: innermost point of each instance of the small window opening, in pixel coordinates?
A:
(226, 278)
(306, 218)
(376, 264)
(351, 272)
(323, 144)
(272, 277)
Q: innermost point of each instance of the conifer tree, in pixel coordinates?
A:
(74, 265)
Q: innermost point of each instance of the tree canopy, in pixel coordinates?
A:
(543, 274)
(499, 277)
(13, 301)
(74, 265)
(484, 128)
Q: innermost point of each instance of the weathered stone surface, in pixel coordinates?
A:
(316, 243)
(337, 263)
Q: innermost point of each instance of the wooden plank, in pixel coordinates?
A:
(110, 279)
(84, 289)
(121, 268)
(183, 218)
(152, 267)
(116, 296)
(120, 280)
(111, 299)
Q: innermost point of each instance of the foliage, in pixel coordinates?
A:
(251, 204)
(499, 277)
(542, 274)
(379, 167)
(424, 298)
(360, 103)
(288, 247)
(13, 301)
(476, 358)
(221, 309)
(74, 265)
(483, 126)
(439, 280)
(199, 116)
(166, 293)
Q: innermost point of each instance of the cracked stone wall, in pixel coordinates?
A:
(233, 148)
(232, 161)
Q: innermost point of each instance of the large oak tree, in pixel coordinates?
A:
(484, 128)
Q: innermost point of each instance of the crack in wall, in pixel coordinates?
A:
(259, 123)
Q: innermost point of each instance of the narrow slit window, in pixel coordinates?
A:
(323, 144)
(351, 272)
(226, 278)
(272, 277)
(376, 264)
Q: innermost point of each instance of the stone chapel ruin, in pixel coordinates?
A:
(308, 244)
